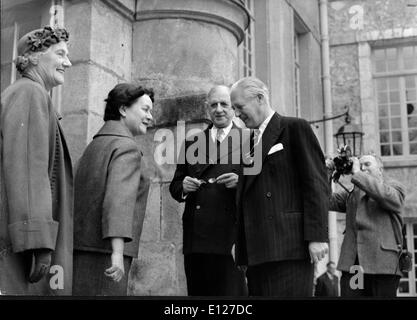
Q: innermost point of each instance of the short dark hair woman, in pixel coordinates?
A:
(110, 195)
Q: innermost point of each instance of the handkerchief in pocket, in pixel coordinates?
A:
(276, 148)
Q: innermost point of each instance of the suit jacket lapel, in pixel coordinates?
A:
(208, 145)
(270, 137)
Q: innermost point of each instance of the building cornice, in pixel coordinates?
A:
(121, 8)
(192, 15)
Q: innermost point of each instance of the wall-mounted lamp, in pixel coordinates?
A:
(349, 134)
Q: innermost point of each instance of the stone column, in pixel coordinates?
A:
(100, 49)
(180, 48)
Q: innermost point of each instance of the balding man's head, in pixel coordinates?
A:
(218, 88)
(219, 106)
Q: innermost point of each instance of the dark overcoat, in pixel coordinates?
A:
(110, 192)
(36, 187)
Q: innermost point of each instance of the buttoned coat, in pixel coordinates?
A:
(285, 206)
(209, 219)
(36, 209)
(110, 192)
(370, 233)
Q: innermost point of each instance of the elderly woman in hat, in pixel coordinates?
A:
(111, 194)
(35, 173)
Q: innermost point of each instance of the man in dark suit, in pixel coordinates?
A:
(282, 211)
(328, 283)
(208, 188)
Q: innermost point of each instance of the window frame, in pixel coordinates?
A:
(399, 74)
(247, 46)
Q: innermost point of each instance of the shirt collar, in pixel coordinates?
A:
(214, 129)
(264, 124)
(330, 275)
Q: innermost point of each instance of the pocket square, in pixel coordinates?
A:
(276, 148)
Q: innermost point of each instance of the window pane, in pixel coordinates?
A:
(408, 51)
(380, 66)
(391, 53)
(392, 65)
(409, 64)
(396, 136)
(393, 84)
(396, 123)
(398, 149)
(410, 82)
(385, 150)
(394, 96)
(379, 54)
(383, 110)
(415, 233)
(383, 124)
(403, 287)
(382, 97)
(412, 122)
(411, 109)
(413, 148)
(395, 110)
(381, 84)
(410, 95)
(412, 135)
(384, 137)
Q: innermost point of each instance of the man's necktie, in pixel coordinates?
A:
(256, 134)
(220, 135)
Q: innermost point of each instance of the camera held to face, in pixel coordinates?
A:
(343, 163)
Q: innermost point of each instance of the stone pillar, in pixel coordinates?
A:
(100, 49)
(180, 48)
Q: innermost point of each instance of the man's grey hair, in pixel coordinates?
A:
(214, 88)
(377, 158)
(252, 87)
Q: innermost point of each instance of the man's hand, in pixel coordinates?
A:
(228, 179)
(190, 184)
(42, 264)
(330, 164)
(117, 269)
(318, 251)
(356, 167)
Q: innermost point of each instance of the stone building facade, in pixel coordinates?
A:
(373, 58)
(182, 47)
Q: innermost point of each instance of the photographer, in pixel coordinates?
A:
(373, 224)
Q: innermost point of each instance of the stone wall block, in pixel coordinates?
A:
(111, 41)
(154, 272)
(171, 224)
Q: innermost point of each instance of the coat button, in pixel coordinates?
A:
(268, 194)
(197, 207)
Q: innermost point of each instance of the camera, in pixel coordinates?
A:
(342, 163)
